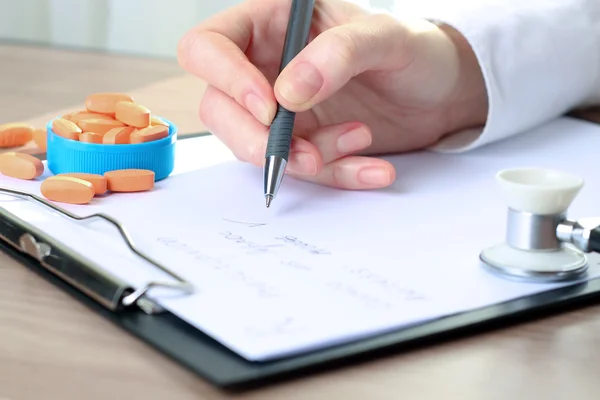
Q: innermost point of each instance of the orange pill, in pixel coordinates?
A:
(130, 180)
(132, 114)
(66, 189)
(157, 121)
(97, 181)
(65, 128)
(15, 134)
(149, 134)
(78, 116)
(118, 135)
(39, 137)
(100, 126)
(69, 115)
(90, 137)
(104, 103)
(20, 166)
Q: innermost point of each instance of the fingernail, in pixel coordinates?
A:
(258, 108)
(302, 163)
(354, 140)
(374, 176)
(300, 83)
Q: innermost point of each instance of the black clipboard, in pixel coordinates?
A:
(129, 309)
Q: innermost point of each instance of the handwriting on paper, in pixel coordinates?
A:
(220, 264)
(245, 223)
(212, 262)
(312, 249)
(358, 283)
(384, 283)
(366, 299)
(251, 246)
(288, 239)
(367, 277)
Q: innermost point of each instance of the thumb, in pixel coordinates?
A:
(378, 42)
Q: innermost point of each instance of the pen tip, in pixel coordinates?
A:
(269, 198)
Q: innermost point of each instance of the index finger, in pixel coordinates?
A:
(215, 51)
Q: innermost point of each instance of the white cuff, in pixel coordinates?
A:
(539, 58)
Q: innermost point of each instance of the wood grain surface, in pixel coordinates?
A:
(52, 347)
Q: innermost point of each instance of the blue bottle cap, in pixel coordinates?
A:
(70, 156)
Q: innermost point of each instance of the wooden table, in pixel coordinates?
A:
(54, 348)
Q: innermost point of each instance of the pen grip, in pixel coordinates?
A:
(280, 137)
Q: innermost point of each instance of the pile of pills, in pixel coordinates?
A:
(80, 188)
(111, 118)
(107, 118)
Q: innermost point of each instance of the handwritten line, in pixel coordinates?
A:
(248, 224)
(262, 289)
(294, 241)
(386, 284)
(251, 246)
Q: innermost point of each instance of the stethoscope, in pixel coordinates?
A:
(542, 244)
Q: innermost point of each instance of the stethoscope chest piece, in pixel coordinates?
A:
(541, 244)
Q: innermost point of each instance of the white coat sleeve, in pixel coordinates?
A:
(539, 58)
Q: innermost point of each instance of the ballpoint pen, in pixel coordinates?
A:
(280, 133)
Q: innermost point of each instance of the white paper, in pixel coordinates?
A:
(325, 266)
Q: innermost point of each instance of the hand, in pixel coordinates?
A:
(366, 84)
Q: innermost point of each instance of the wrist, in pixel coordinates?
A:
(468, 105)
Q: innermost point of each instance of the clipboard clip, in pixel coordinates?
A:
(89, 278)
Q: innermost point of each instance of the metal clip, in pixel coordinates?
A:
(91, 279)
(29, 245)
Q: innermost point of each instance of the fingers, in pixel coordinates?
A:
(247, 138)
(341, 169)
(225, 67)
(339, 140)
(215, 52)
(377, 42)
(354, 173)
(219, 49)
(322, 158)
